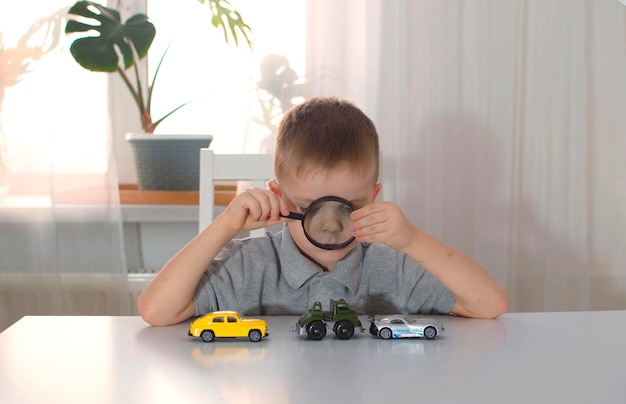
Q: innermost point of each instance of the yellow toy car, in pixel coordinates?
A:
(227, 324)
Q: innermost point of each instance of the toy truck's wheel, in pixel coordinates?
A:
(430, 332)
(385, 333)
(344, 329)
(254, 335)
(207, 336)
(316, 330)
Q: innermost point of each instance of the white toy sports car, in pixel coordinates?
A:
(397, 326)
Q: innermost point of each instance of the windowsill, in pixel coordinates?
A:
(136, 206)
(168, 206)
(131, 195)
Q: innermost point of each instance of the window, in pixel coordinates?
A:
(232, 319)
(218, 319)
(199, 65)
(53, 113)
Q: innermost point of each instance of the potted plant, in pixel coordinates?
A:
(119, 47)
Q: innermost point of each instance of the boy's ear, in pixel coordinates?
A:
(274, 187)
(377, 189)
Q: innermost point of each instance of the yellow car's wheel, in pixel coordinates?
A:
(254, 335)
(207, 336)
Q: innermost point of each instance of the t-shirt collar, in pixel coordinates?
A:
(301, 269)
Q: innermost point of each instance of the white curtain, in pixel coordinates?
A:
(61, 240)
(503, 130)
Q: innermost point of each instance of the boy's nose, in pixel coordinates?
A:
(332, 226)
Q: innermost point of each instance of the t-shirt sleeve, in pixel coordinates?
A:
(421, 291)
(235, 279)
(222, 282)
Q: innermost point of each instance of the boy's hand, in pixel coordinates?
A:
(382, 222)
(252, 209)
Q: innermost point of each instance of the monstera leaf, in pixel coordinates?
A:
(101, 53)
(108, 45)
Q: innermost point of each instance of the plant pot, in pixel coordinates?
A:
(168, 162)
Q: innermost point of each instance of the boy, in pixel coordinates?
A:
(324, 147)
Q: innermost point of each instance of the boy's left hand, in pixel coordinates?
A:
(382, 222)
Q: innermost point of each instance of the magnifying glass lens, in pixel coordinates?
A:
(327, 223)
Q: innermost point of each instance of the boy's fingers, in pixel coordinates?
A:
(368, 210)
(266, 206)
(263, 203)
(275, 208)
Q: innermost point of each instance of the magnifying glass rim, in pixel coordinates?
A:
(330, 198)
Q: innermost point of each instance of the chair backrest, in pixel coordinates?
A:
(254, 168)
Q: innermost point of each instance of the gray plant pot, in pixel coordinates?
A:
(168, 162)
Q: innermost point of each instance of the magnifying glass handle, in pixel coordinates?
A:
(293, 215)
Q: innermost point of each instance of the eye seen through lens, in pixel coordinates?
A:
(326, 222)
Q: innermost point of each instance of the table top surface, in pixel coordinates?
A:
(571, 357)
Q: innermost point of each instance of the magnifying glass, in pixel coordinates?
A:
(326, 222)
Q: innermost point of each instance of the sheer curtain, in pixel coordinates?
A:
(503, 130)
(61, 240)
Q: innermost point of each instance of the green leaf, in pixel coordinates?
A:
(114, 40)
(229, 19)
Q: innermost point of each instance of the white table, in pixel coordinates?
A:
(571, 357)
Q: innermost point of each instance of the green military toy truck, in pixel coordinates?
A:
(341, 318)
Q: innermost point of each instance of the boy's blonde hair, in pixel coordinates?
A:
(322, 133)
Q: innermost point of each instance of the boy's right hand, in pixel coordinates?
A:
(253, 209)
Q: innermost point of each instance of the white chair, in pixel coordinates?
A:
(254, 168)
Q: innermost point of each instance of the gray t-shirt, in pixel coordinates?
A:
(270, 276)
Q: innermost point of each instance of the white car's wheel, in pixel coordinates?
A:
(385, 333)
(430, 332)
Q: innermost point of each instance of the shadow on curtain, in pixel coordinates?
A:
(503, 129)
